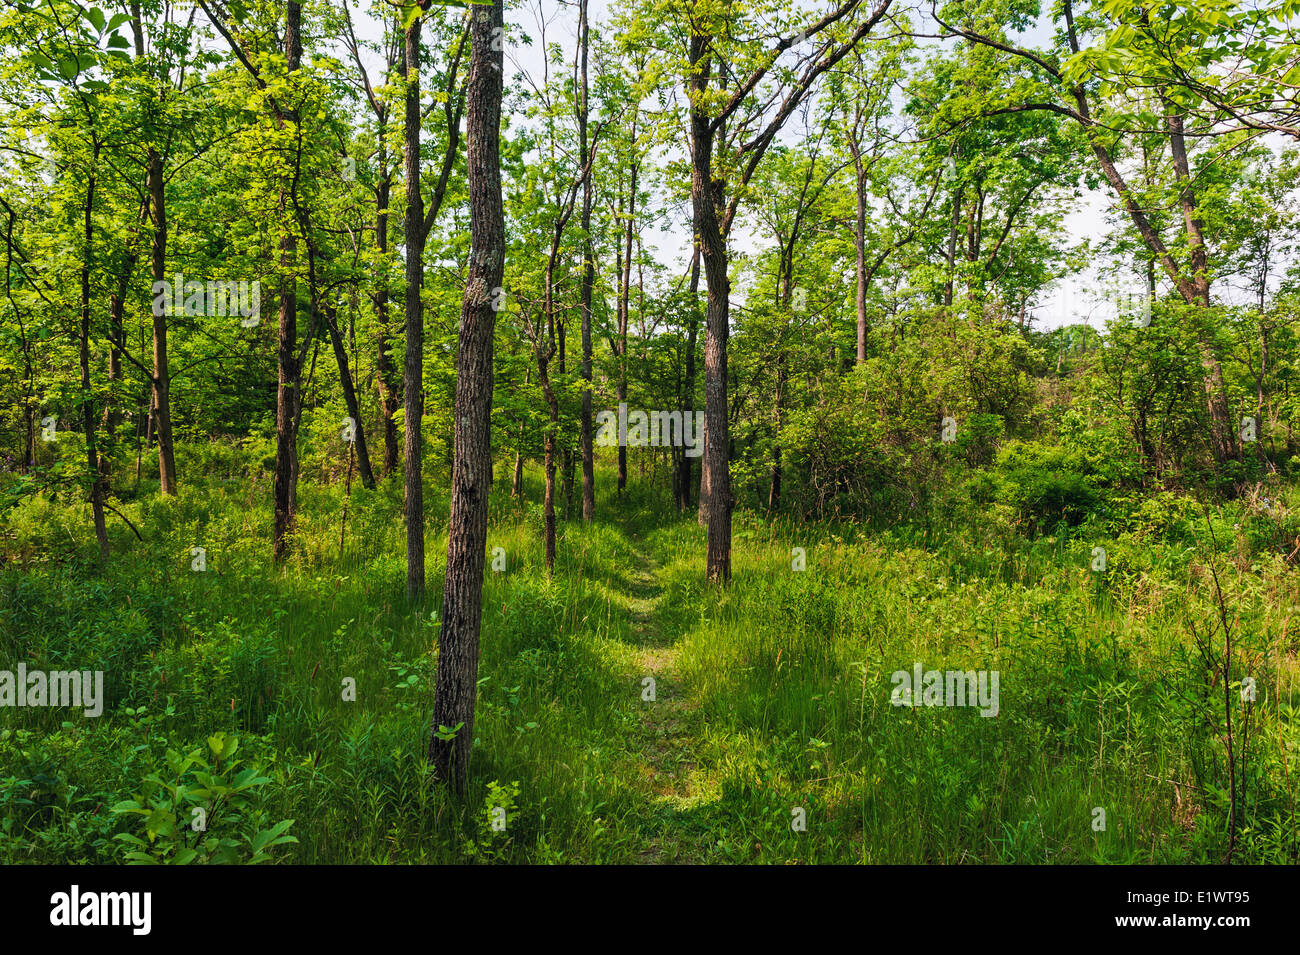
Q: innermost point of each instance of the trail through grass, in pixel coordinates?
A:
(667, 741)
(772, 697)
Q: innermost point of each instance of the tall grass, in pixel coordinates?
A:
(774, 694)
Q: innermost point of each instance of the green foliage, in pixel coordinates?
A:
(200, 811)
(926, 463)
(1046, 485)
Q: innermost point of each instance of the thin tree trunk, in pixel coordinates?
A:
(860, 243)
(688, 387)
(162, 416)
(588, 281)
(350, 397)
(462, 606)
(413, 377)
(625, 285)
(552, 401)
(566, 454)
(112, 413)
(517, 483)
(548, 496)
(87, 401)
(774, 489)
(1222, 433)
(287, 396)
(389, 385)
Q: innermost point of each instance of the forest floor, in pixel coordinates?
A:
(772, 736)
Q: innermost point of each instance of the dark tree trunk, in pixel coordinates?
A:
(467, 528)
(116, 312)
(688, 387)
(350, 396)
(774, 489)
(87, 401)
(548, 496)
(286, 396)
(517, 482)
(162, 415)
(544, 351)
(566, 454)
(413, 377)
(588, 280)
(713, 248)
(390, 386)
(625, 285)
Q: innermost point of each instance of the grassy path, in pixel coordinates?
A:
(663, 754)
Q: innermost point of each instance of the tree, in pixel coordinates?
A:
(462, 606)
(1065, 93)
(416, 231)
(729, 118)
(588, 267)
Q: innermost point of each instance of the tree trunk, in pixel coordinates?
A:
(860, 244)
(566, 454)
(162, 415)
(548, 496)
(87, 401)
(350, 397)
(286, 396)
(467, 528)
(625, 286)
(413, 377)
(588, 281)
(544, 353)
(1222, 432)
(112, 413)
(517, 482)
(714, 251)
(389, 386)
(688, 387)
(774, 488)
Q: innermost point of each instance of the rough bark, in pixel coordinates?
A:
(284, 491)
(717, 324)
(467, 528)
(413, 374)
(588, 279)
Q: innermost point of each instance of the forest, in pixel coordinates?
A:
(649, 431)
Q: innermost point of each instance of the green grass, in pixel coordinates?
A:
(770, 696)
